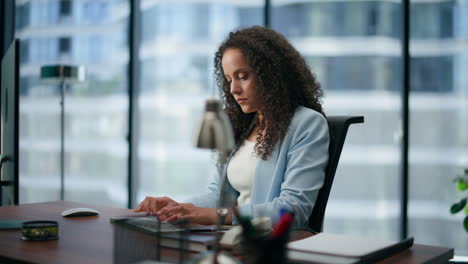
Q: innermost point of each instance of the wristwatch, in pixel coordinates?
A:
(222, 212)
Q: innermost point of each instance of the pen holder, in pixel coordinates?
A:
(265, 249)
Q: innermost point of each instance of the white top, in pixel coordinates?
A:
(241, 169)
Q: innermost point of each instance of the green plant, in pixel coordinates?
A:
(462, 186)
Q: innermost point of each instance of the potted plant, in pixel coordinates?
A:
(462, 186)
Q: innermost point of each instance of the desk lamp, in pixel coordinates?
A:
(215, 132)
(62, 74)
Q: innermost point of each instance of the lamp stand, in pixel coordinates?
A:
(221, 212)
(62, 73)
(216, 256)
(62, 139)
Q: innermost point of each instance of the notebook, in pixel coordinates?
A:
(333, 248)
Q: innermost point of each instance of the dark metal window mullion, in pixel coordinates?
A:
(133, 93)
(7, 16)
(404, 180)
(7, 34)
(267, 14)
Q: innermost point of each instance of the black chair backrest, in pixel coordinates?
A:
(338, 127)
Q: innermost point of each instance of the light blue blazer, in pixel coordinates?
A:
(290, 178)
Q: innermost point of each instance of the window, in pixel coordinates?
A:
(290, 19)
(432, 20)
(432, 74)
(176, 53)
(64, 46)
(356, 73)
(438, 148)
(65, 8)
(96, 111)
(23, 17)
(24, 51)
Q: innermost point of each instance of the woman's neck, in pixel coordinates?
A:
(254, 133)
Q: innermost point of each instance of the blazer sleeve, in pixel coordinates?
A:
(304, 174)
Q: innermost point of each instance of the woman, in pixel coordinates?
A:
(273, 102)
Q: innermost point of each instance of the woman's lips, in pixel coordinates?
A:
(241, 100)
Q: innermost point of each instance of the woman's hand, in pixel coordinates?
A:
(196, 215)
(151, 205)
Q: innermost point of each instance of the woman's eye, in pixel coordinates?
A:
(243, 77)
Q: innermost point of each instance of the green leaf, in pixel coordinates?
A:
(466, 171)
(457, 207)
(462, 185)
(465, 223)
(466, 210)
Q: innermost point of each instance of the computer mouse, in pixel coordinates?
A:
(79, 212)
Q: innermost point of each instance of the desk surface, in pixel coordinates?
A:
(90, 239)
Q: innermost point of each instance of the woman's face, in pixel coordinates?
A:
(242, 80)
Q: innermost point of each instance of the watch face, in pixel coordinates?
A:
(222, 211)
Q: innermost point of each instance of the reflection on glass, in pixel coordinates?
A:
(178, 45)
(91, 33)
(439, 120)
(354, 48)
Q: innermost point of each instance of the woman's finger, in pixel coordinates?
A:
(151, 205)
(173, 218)
(167, 203)
(180, 218)
(162, 203)
(140, 207)
(148, 205)
(169, 210)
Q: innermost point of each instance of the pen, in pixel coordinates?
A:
(283, 225)
(283, 211)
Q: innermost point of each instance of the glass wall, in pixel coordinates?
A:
(179, 40)
(439, 120)
(354, 48)
(80, 32)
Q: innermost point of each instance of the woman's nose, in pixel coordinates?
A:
(235, 89)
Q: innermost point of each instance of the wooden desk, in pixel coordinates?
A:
(90, 239)
(81, 239)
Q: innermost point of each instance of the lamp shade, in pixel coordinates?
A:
(69, 73)
(215, 131)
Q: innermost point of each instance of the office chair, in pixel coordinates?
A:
(338, 126)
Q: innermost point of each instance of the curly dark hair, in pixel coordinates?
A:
(284, 82)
